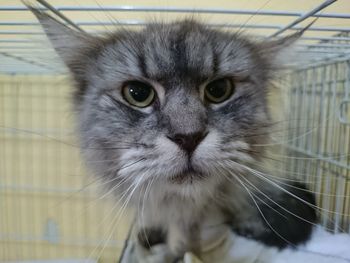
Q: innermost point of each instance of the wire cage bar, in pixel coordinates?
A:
(318, 138)
(42, 179)
(26, 32)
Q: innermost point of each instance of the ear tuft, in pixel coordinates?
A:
(278, 51)
(68, 43)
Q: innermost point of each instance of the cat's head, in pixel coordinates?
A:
(179, 103)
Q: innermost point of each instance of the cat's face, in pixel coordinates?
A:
(177, 103)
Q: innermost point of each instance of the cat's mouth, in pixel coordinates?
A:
(188, 175)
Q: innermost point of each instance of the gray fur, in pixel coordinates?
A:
(129, 145)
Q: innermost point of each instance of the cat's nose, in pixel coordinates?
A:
(188, 142)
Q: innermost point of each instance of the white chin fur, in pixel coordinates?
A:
(209, 159)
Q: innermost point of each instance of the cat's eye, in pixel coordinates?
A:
(218, 90)
(138, 93)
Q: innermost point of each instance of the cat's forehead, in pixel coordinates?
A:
(183, 51)
(181, 48)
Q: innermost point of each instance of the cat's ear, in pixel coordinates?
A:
(69, 44)
(279, 51)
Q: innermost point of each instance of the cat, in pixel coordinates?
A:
(174, 117)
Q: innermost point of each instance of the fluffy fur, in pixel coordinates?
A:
(176, 194)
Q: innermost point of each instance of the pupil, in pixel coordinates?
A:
(140, 92)
(218, 88)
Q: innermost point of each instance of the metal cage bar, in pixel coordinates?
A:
(27, 35)
(315, 147)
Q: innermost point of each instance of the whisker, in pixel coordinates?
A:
(99, 225)
(242, 26)
(142, 210)
(93, 183)
(286, 191)
(286, 172)
(260, 211)
(280, 236)
(260, 199)
(127, 144)
(307, 190)
(282, 207)
(119, 213)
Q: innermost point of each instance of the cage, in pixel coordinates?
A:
(52, 210)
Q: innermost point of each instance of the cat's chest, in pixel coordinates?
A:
(188, 227)
(213, 229)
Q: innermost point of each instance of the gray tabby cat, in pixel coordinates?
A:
(174, 117)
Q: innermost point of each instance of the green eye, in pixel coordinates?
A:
(218, 90)
(138, 94)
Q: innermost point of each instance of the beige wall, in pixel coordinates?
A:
(41, 173)
(43, 180)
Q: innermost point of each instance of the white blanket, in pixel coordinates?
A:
(323, 247)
